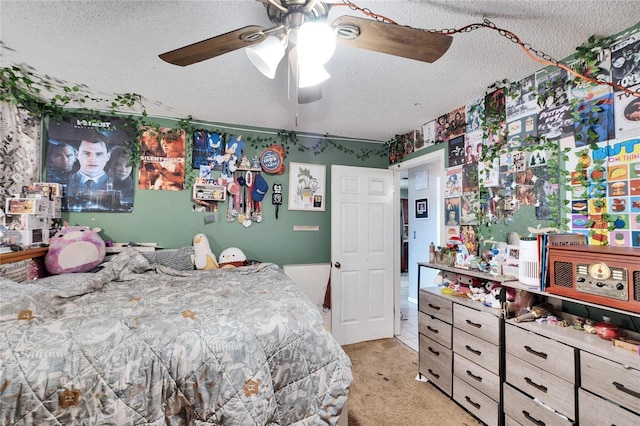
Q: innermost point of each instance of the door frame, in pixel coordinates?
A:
(434, 156)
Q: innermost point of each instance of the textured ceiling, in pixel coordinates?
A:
(113, 46)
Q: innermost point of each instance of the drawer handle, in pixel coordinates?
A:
(473, 351)
(536, 353)
(474, 324)
(535, 385)
(531, 419)
(433, 351)
(475, 404)
(437, 308)
(433, 330)
(473, 376)
(437, 376)
(621, 388)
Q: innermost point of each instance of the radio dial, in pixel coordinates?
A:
(600, 284)
(599, 271)
(619, 286)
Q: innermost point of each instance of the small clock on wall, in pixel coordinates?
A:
(272, 159)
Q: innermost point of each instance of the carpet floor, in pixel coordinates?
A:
(385, 390)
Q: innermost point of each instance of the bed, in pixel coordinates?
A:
(138, 342)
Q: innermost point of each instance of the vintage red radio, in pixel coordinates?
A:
(608, 276)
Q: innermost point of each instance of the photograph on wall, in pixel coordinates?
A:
(625, 61)
(627, 114)
(162, 152)
(307, 187)
(88, 156)
(207, 147)
(452, 211)
(429, 133)
(473, 147)
(422, 208)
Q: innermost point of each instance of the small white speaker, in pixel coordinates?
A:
(529, 262)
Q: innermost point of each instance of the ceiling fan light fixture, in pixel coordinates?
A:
(316, 42)
(267, 55)
(311, 74)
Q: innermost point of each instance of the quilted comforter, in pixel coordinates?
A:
(138, 343)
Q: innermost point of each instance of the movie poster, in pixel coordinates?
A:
(625, 61)
(475, 114)
(453, 181)
(556, 123)
(162, 161)
(88, 156)
(627, 114)
(473, 146)
(595, 117)
(522, 99)
(206, 147)
(456, 151)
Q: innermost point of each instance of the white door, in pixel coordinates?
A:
(362, 254)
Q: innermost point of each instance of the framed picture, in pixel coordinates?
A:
(422, 208)
(307, 187)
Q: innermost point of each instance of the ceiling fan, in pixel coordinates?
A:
(266, 46)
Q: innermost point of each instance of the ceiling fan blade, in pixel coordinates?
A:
(392, 39)
(306, 95)
(214, 46)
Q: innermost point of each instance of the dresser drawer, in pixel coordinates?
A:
(435, 364)
(434, 329)
(595, 411)
(433, 353)
(548, 354)
(525, 411)
(436, 306)
(480, 378)
(546, 387)
(610, 380)
(477, 350)
(481, 324)
(474, 401)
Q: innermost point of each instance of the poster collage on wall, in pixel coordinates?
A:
(558, 113)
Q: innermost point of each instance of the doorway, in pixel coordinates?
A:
(423, 179)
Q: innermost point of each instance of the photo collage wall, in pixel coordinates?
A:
(573, 117)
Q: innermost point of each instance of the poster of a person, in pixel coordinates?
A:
(77, 154)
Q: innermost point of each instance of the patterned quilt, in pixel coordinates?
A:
(138, 343)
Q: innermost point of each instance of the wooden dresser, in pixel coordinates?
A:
(527, 373)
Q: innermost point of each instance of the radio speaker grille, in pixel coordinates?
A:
(636, 286)
(563, 274)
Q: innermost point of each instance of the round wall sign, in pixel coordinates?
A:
(272, 159)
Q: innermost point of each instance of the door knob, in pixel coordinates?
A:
(337, 265)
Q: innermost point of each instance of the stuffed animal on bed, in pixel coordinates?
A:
(203, 257)
(232, 257)
(74, 249)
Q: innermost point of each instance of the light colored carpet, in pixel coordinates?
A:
(385, 390)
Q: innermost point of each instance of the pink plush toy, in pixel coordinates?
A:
(74, 249)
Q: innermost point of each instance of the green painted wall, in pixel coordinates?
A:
(166, 217)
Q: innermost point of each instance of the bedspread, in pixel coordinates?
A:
(138, 343)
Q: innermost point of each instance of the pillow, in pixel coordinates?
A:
(178, 259)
